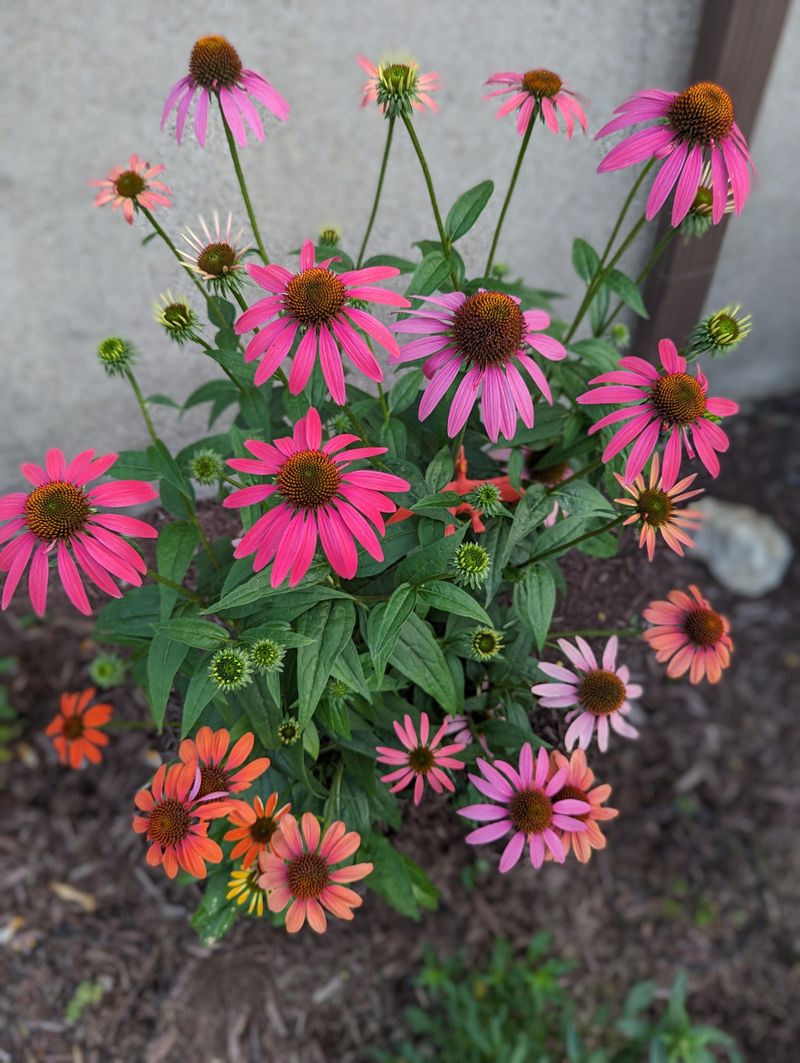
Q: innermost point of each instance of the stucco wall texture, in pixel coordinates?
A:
(84, 87)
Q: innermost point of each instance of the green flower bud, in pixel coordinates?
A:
(116, 355)
(486, 499)
(472, 565)
(719, 333)
(176, 317)
(485, 644)
(231, 670)
(289, 731)
(107, 670)
(206, 466)
(267, 655)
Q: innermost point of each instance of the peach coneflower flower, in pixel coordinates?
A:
(578, 785)
(599, 692)
(60, 519)
(689, 634)
(524, 801)
(316, 304)
(215, 69)
(668, 402)
(540, 90)
(487, 334)
(222, 771)
(319, 496)
(175, 820)
(132, 188)
(254, 826)
(76, 730)
(398, 87)
(299, 871)
(421, 759)
(686, 129)
(657, 510)
(216, 255)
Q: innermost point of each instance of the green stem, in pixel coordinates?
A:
(443, 237)
(243, 186)
(382, 400)
(174, 250)
(657, 252)
(142, 405)
(151, 572)
(507, 200)
(378, 191)
(209, 349)
(563, 547)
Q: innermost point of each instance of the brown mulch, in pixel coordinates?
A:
(702, 870)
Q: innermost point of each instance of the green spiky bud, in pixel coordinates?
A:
(621, 336)
(107, 670)
(330, 236)
(231, 670)
(267, 655)
(485, 644)
(719, 333)
(206, 466)
(472, 565)
(486, 499)
(176, 317)
(289, 731)
(116, 355)
(397, 88)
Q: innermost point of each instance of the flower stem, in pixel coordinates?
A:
(378, 191)
(563, 547)
(243, 186)
(174, 250)
(142, 405)
(151, 572)
(507, 200)
(658, 251)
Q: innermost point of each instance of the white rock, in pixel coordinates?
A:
(744, 549)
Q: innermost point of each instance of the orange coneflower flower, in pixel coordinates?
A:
(75, 729)
(579, 786)
(220, 770)
(658, 511)
(254, 826)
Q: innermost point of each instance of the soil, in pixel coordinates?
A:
(702, 869)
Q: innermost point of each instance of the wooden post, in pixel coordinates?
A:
(736, 47)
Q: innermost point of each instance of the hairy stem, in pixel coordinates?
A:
(378, 192)
(243, 186)
(507, 200)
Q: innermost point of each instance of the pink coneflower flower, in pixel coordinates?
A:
(316, 304)
(578, 786)
(657, 510)
(319, 495)
(298, 871)
(133, 187)
(600, 692)
(175, 820)
(690, 635)
(222, 771)
(215, 69)
(670, 402)
(421, 757)
(398, 88)
(75, 730)
(686, 129)
(486, 334)
(60, 519)
(525, 802)
(539, 91)
(217, 256)
(254, 826)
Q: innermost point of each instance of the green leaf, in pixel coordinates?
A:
(176, 545)
(164, 658)
(628, 291)
(418, 656)
(452, 599)
(428, 562)
(405, 265)
(391, 618)
(215, 914)
(585, 259)
(534, 601)
(330, 624)
(404, 390)
(390, 877)
(531, 510)
(467, 209)
(440, 470)
(162, 400)
(167, 468)
(128, 621)
(430, 274)
(212, 391)
(596, 353)
(191, 631)
(133, 465)
(580, 497)
(258, 588)
(347, 667)
(202, 690)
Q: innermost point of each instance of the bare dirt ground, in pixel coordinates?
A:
(702, 868)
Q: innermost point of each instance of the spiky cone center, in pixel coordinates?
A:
(309, 479)
(230, 669)
(702, 114)
(703, 202)
(213, 780)
(73, 727)
(678, 398)
(288, 732)
(398, 79)
(263, 829)
(725, 330)
(307, 876)
(214, 63)
(130, 184)
(531, 811)
(267, 654)
(206, 467)
(654, 507)
(421, 760)
(217, 259)
(601, 692)
(56, 511)
(486, 643)
(541, 82)
(314, 296)
(572, 793)
(177, 316)
(169, 822)
(703, 626)
(489, 329)
(115, 354)
(472, 563)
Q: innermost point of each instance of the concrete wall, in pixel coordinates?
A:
(85, 83)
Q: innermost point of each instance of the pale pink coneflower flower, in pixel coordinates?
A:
(397, 87)
(319, 496)
(540, 90)
(600, 693)
(686, 130)
(668, 402)
(658, 511)
(324, 309)
(524, 800)
(689, 634)
(487, 334)
(59, 519)
(422, 759)
(215, 70)
(132, 187)
(216, 254)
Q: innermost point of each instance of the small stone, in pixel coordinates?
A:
(744, 549)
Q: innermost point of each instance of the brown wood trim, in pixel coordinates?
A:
(736, 48)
